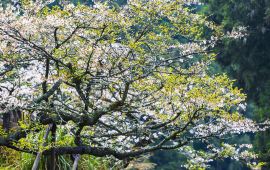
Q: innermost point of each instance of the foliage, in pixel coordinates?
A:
(247, 59)
(117, 82)
(12, 159)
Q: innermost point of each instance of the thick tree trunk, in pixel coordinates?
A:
(6, 121)
(10, 119)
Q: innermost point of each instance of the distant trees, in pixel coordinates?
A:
(247, 59)
(250, 65)
(116, 82)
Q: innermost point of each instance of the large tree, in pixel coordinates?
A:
(116, 82)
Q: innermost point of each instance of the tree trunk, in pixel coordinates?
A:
(52, 158)
(6, 121)
(76, 162)
(35, 165)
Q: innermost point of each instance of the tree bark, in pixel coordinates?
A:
(6, 121)
(76, 162)
(35, 165)
(52, 158)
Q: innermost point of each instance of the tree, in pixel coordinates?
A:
(247, 59)
(115, 82)
(250, 64)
